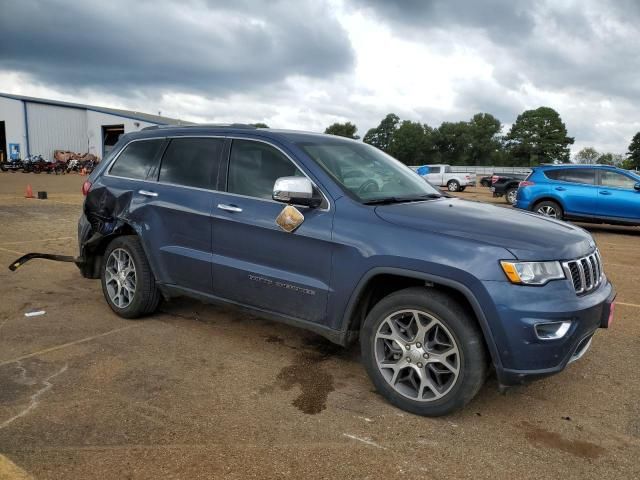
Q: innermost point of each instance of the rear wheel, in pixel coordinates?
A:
(549, 208)
(511, 196)
(423, 351)
(453, 185)
(127, 281)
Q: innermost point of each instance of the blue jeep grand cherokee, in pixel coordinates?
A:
(589, 193)
(438, 290)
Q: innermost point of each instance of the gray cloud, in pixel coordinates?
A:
(575, 46)
(192, 46)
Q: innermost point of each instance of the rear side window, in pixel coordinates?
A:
(615, 179)
(255, 166)
(573, 175)
(137, 159)
(192, 162)
(434, 169)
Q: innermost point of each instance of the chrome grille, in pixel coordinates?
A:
(585, 273)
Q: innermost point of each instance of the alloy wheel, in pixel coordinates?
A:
(120, 278)
(511, 196)
(417, 355)
(548, 211)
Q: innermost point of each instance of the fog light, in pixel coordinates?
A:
(552, 330)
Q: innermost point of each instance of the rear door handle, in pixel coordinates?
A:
(229, 208)
(147, 193)
(604, 192)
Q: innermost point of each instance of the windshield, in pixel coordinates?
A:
(366, 172)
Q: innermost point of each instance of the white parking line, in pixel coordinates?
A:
(628, 304)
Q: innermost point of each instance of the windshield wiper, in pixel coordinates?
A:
(389, 200)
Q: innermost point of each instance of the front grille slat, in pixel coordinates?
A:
(585, 273)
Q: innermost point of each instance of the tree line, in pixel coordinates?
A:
(537, 136)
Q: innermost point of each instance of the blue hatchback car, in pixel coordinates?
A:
(589, 193)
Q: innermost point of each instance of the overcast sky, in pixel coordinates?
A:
(305, 65)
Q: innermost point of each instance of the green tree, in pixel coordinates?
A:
(483, 131)
(452, 142)
(408, 143)
(382, 136)
(587, 155)
(346, 129)
(633, 155)
(539, 136)
(259, 125)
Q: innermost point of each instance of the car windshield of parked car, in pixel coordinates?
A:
(367, 173)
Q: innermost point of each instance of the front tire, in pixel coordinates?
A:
(550, 209)
(127, 281)
(453, 185)
(423, 351)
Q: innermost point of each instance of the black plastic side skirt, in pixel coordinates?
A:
(46, 256)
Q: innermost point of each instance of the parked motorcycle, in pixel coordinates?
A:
(11, 165)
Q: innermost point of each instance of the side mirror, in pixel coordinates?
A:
(296, 190)
(637, 186)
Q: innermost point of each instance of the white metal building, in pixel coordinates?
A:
(36, 126)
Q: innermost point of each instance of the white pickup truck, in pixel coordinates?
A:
(443, 176)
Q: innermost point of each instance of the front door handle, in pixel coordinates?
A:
(604, 192)
(560, 189)
(147, 193)
(229, 208)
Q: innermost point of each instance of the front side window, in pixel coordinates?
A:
(192, 162)
(137, 159)
(381, 176)
(434, 169)
(617, 180)
(585, 176)
(255, 166)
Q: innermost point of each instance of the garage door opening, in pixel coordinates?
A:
(3, 143)
(110, 136)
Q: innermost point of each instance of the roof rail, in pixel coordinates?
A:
(207, 125)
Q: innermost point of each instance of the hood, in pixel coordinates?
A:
(527, 235)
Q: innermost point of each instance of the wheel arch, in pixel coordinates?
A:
(381, 281)
(94, 248)
(547, 198)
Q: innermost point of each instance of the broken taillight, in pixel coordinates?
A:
(525, 183)
(86, 187)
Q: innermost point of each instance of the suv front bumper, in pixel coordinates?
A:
(526, 357)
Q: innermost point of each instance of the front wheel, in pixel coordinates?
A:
(549, 208)
(127, 281)
(453, 185)
(423, 351)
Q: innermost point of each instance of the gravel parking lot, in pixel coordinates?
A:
(199, 391)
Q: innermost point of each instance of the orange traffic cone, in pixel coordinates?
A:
(29, 192)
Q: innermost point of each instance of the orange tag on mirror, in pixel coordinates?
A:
(290, 218)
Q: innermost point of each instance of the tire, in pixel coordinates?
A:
(549, 208)
(453, 322)
(510, 196)
(453, 185)
(145, 297)
(3, 167)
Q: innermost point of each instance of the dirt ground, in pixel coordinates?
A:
(198, 391)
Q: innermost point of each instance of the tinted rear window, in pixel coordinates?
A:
(573, 175)
(136, 159)
(192, 162)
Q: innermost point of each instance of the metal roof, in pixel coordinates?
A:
(133, 115)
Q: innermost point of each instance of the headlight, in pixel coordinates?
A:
(532, 273)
